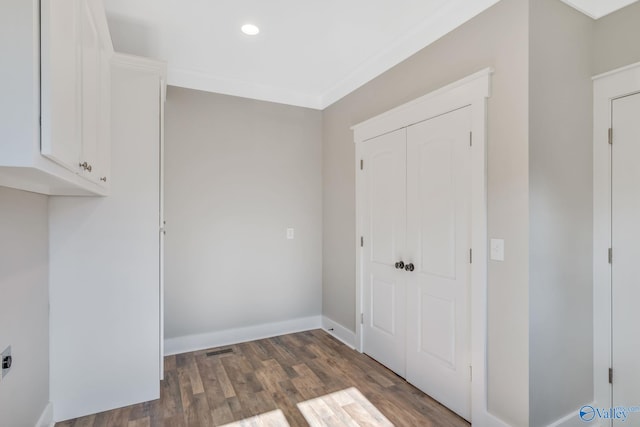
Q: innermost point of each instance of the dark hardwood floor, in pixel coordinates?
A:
(207, 389)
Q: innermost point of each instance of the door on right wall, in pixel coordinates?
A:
(625, 238)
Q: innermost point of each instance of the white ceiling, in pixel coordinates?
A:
(309, 53)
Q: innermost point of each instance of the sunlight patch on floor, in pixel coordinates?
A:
(268, 419)
(342, 408)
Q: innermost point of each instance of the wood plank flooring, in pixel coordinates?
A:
(250, 384)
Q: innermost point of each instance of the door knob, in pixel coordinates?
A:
(409, 267)
(400, 265)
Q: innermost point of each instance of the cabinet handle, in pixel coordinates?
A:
(103, 179)
(86, 166)
(400, 265)
(409, 267)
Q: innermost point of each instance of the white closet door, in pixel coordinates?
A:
(625, 236)
(438, 240)
(384, 223)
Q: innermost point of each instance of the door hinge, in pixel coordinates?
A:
(470, 139)
(610, 136)
(362, 318)
(610, 375)
(470, 256)
(362, 241)
(610, 255)
(470, 373)
(361, 164)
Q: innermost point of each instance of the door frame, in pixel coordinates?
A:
(607, 87)
(473, 91)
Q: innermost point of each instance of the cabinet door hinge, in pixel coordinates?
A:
(470, 256)
(362, 318)
(610, 255)
(362, 241)
(470, 139)
(610, 375)
(610, 136)
(361, 164)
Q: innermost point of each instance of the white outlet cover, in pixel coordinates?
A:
(290, 233)
(497, 249)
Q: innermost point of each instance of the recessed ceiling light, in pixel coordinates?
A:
(250, 29)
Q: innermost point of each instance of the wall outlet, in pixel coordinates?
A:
(6, 360)
(290, 233)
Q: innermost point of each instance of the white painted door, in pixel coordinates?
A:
(438, 241)
(384, 223)
(625, 240)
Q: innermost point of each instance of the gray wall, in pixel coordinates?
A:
(24, 306)
(238, 174)
(616, 39)
(560, 211)
(477, 44)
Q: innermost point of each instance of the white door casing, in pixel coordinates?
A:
(438, 239)
(610, 89)
(471, 92)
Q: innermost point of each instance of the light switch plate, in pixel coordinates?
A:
(290, 233)
(497, 249)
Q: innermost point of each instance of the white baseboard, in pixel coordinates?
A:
(46, 418)
(484, 418)
(339, 332)
(197, 342)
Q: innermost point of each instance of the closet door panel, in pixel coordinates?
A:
(438, 240)
(384, 233)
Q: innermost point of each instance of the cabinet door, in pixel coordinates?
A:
(61, 83)
(95, 98)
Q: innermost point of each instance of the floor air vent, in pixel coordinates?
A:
(219, 352)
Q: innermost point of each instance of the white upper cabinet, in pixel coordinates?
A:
(59, 144)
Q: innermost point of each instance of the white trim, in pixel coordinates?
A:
(200, 80)
(606, 87)
(621, 70)
(140, 63)
(46, 418)
(448, 98)
(448, 17)
(471, 91)
(596, 9)
(197, 342)
(341, 333)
